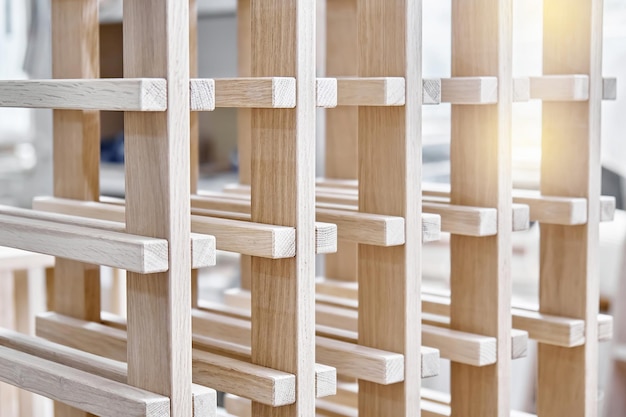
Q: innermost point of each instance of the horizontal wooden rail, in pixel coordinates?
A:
(243, 237)
(326, 90)
(77, 388)
(457, 346)
(382, 230)
(258, 383)
(124, 94)
(462, 220)
(381, 91)
(469, 90)
(543, 209)
(102, 247)
(349, 359)
(204, 398)
(202, 246)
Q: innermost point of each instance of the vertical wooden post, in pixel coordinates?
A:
(194, 131)
(283, 193)
(156, 44)
(244, 121)
(76, 154)
(481, 176)
(342, 124)
(389, 44)
(9, 406)
(570, 166)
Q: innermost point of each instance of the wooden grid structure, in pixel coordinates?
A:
(358, 338)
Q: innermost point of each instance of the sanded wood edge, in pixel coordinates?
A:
(607, 208)
(469, 90)
(204, 398)
(123, 94)
(77, 388)
(431, 91)
(573, 87)
(243, 237)
(375, 91)
(464, 220)
(262, 384)
(326, 235)
(609, 88)
(521, 217)
(326, 92)
(95, 246)
(202, 94)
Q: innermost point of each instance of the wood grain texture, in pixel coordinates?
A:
(107, 217)
(78, 389)
(469, 90)
(102, 94)
(431, 91)
(568, 283)
(375, 91)
(219, 372)
(326, 91)
(204, 399)
(283, 193)
(262, 92)
(157, 150)
(201, 95)
(480, 157)
(79, 243)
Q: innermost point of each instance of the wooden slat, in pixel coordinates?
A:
(202, 246)
(157, 152)
(431, 91)
(469, 90)
(569, 281)
(348, 228)
(543, 208)
(204, 399)
(231, 235)
(101, 247)
(141, 94)
(560, 88)
(609, 88)
(480, 153)
(263, 92)
(78, 389)
(375, 91)
(219, 372)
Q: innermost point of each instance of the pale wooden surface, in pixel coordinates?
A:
(228, 228)
(480, 154)
(114, 249)
(326, 92)
(101, 94)
(374, 91)
(560, 87)
(204, 399)
(469, 90)
(262, 92)
(8, 393)
(157, 150)
(108, 217)
(568, 284)
(222, 373)
(79, 389)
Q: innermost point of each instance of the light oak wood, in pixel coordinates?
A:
(344, 216)
(431, 91)
(157, 154)
(231, 235)
(201, 95)
(326, 90)
(221, 373)
(268, 92)
(568, 280)
(141, 94)
(560, 88)
(325, 376)
(609, 89)
(118, 250)
(204, 399)
(543, 208)
(202, 246)
(469, 90)
(375, 91)
(480, 152)
(78, 389)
